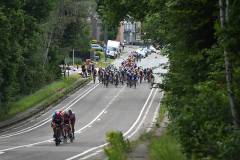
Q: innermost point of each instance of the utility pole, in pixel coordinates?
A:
(73, 56)
(105, 39)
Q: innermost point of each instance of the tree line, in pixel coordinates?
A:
(36, 36)
(201, 39)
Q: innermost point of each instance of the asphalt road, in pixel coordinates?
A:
(98, 110)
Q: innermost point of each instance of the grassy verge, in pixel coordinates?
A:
(162, 146)
(165, 147)
(162, 113)
(45, 96)
(118, 147)
(101, 63)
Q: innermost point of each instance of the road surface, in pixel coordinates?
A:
(98, 110)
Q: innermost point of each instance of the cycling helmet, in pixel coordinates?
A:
(69, 111)
(57, 114)
(65, 112)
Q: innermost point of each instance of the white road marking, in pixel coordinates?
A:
(139, 116)
(102, 112)
(27, 145)
(48, 119)
(77, 132)
(1, 153)
(145, 115)
(87, 151)
(30, 145)
(156, 114)
(135, 129)
(90, 155)
(94, 148)
(98, 147)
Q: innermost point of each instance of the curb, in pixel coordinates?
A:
(43, 105)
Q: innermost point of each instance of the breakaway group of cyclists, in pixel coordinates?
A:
(128, 73)
(63, 126)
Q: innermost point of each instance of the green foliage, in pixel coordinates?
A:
(112, 12)
(76, 35)
(165, 147)
(118, 147)
(31, 48)
(45, 96)
(195, 85)
(39, 9)
(100, 54)
(40, 95)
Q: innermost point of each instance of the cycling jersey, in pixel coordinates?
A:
(66, 119)
(57, 119)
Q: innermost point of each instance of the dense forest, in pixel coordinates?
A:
(36, 36)
(202, 41)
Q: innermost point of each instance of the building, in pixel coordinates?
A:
(132, 32)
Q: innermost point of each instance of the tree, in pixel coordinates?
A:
(195, 85)
(224, 12)
(31, 43)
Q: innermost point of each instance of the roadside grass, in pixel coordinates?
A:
(143, 138)
(165, 147)
(101, 63)
(118, 147)
(162, 114)
(45, 96)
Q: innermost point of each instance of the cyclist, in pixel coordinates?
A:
(72, 121)
(57, 122)
(94, 74)
(66, 120)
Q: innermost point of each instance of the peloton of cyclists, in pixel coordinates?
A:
(128, 73)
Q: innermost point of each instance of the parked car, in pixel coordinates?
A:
(148, 50)
(142, 52)
(96, 47)
(153, 49)
(71, 68)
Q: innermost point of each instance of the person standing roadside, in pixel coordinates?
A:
(84, 71)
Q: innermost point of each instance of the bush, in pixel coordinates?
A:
(118, 147)
(100, 54)
(94, 41)
(165, 148)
